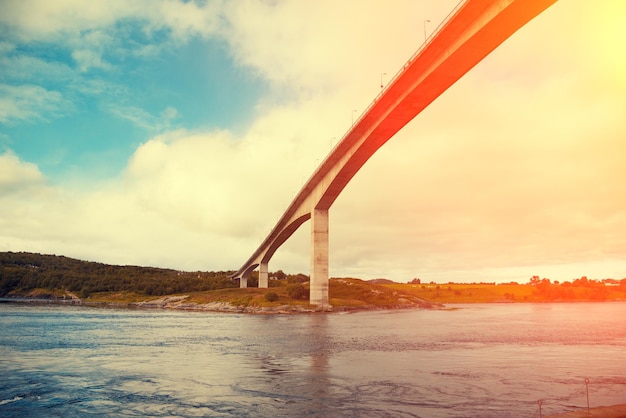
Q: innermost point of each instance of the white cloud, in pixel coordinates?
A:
(97, 35)
(93, 30)
(186, 19)
(87, 59)
(30, 102)
(141, 118)
(6, 47)
(42, 20)
(22, 68)
(328, 45)
(16, 175)
(67, 20)
(216, 182)
(169, 114)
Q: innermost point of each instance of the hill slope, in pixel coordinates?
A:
(57, 278)
(24, 272)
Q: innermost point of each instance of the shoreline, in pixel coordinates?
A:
(178, 303)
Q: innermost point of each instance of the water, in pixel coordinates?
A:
(490, 360)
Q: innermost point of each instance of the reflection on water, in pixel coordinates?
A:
(480, 360)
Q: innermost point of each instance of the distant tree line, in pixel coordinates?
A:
(578, 289)
(21, 272)
(289, 278)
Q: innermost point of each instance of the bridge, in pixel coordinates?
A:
(471, 31)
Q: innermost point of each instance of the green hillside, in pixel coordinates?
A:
(21, 273)
(37, 276)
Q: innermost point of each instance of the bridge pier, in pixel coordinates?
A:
(243, 282)
(263, 276)
(319, 258)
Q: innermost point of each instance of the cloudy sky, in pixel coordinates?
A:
(174, 134)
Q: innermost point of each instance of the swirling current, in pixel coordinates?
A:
(488, 360)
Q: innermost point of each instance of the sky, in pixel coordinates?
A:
(175, 133)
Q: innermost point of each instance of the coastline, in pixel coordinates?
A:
(178, 302)
(181, 303)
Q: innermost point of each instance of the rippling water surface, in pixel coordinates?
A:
(479, 360)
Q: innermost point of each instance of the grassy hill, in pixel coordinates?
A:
(22, 272)
(51, 277)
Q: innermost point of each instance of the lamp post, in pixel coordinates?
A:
(425, 37)
(381, 80)
(353, 111)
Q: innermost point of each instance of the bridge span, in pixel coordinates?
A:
(472, 30)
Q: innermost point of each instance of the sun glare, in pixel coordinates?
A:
(610, 41)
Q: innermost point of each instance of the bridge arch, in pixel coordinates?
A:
(284, 236)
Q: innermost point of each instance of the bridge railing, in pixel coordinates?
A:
(410, 60)
(391, 82)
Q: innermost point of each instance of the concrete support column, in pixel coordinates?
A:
(243, 282)
(263, 276)
(319, 258)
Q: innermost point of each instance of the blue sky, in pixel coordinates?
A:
(87, 118)
(174, 134)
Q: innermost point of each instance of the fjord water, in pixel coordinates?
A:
(488, 360)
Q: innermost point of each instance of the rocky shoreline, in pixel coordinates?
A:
(179, 302)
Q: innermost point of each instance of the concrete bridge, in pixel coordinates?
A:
(471, 31)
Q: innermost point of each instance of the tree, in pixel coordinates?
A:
(582, 282)
(297, 291)
(297, 278)
(271, 296)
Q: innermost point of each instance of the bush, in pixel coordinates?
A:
(297, 291)
(271, 297)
